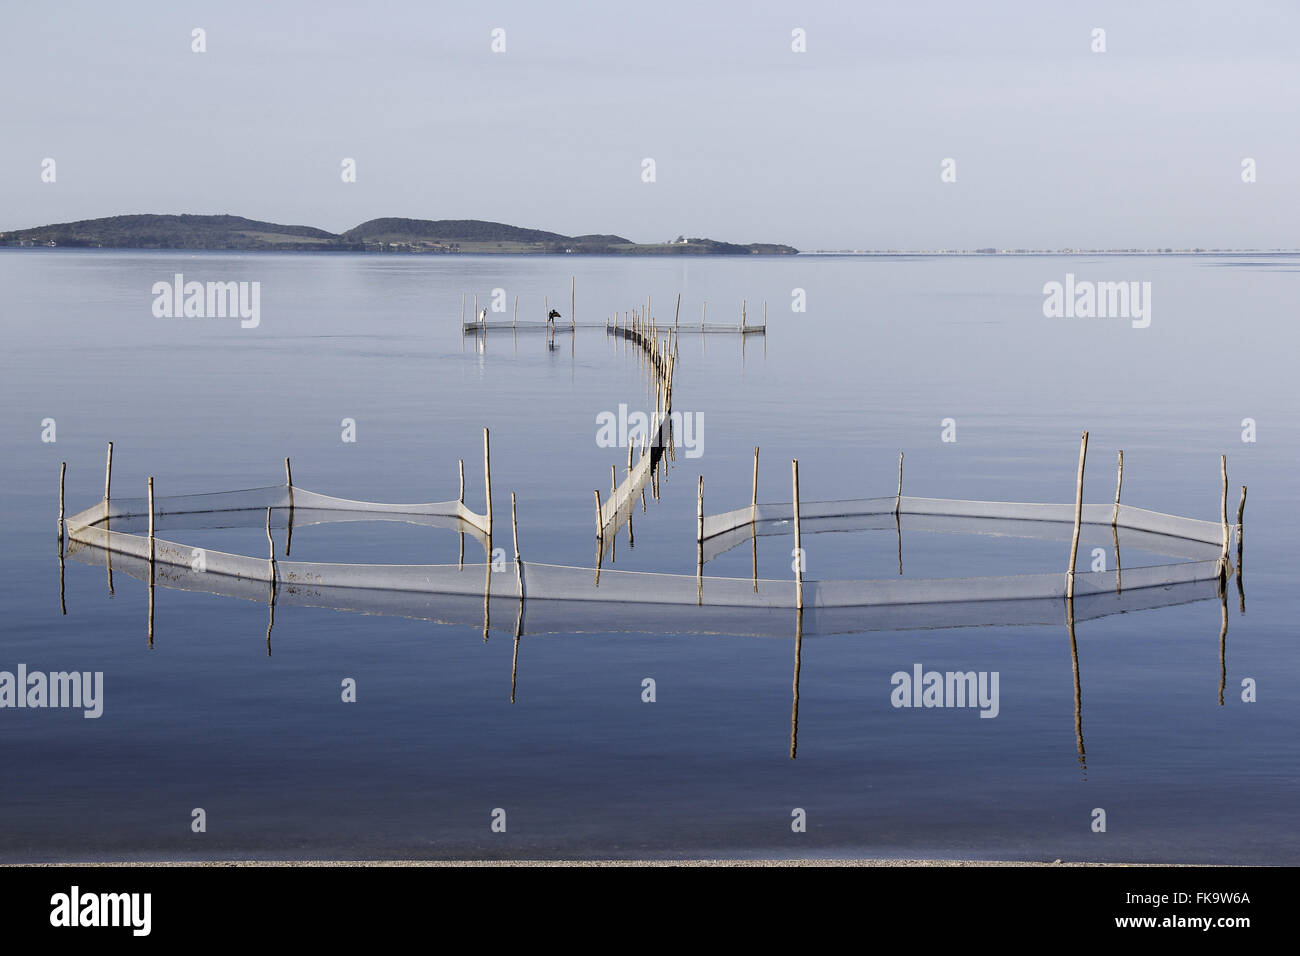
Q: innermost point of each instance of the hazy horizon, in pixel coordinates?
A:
(838, 147)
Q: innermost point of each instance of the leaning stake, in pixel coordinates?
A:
(1119, 483)
(1078, 518)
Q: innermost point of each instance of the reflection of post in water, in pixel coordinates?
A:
(487, 591)
(274, 575)
(62, 603)
(794, 707)
(108, 536)
(151, 558)
(1119, 564)
(1223, 642)
(514, 663)
(898, 528)
(270, 621)
(1241, 510)
(1078, 692)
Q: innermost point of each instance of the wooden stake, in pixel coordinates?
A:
(1119, 483)
(898, 501)
(487, 479)
(765, 315)
(108, 473)
(461, 464)
(1223, 468)
(476, 318)
(151, 546)
(699, 544)
(462, 311)
(677, 312)
(753, 501)
(573, 320)
(742, 316)
(613, 482)
(288, 480)
(600, 525)
(514, 529)
(515, 323)
(1078, 518)
(63, 470)
(798, 545)
(699, 512)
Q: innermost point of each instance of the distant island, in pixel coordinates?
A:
(425, 236)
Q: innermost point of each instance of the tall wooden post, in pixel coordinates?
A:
(514, 530)
(151, 544)
(573, 319)
(108, 473)
(798, 541)
(1223, 513)
(898, 499)
(1078, 518)
(460, 462)
(600, 525)
(699, 511)
(487, 479)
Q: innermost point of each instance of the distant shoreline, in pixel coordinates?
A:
(900, 254)
(389, 236)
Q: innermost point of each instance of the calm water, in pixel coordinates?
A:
(887, 349)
